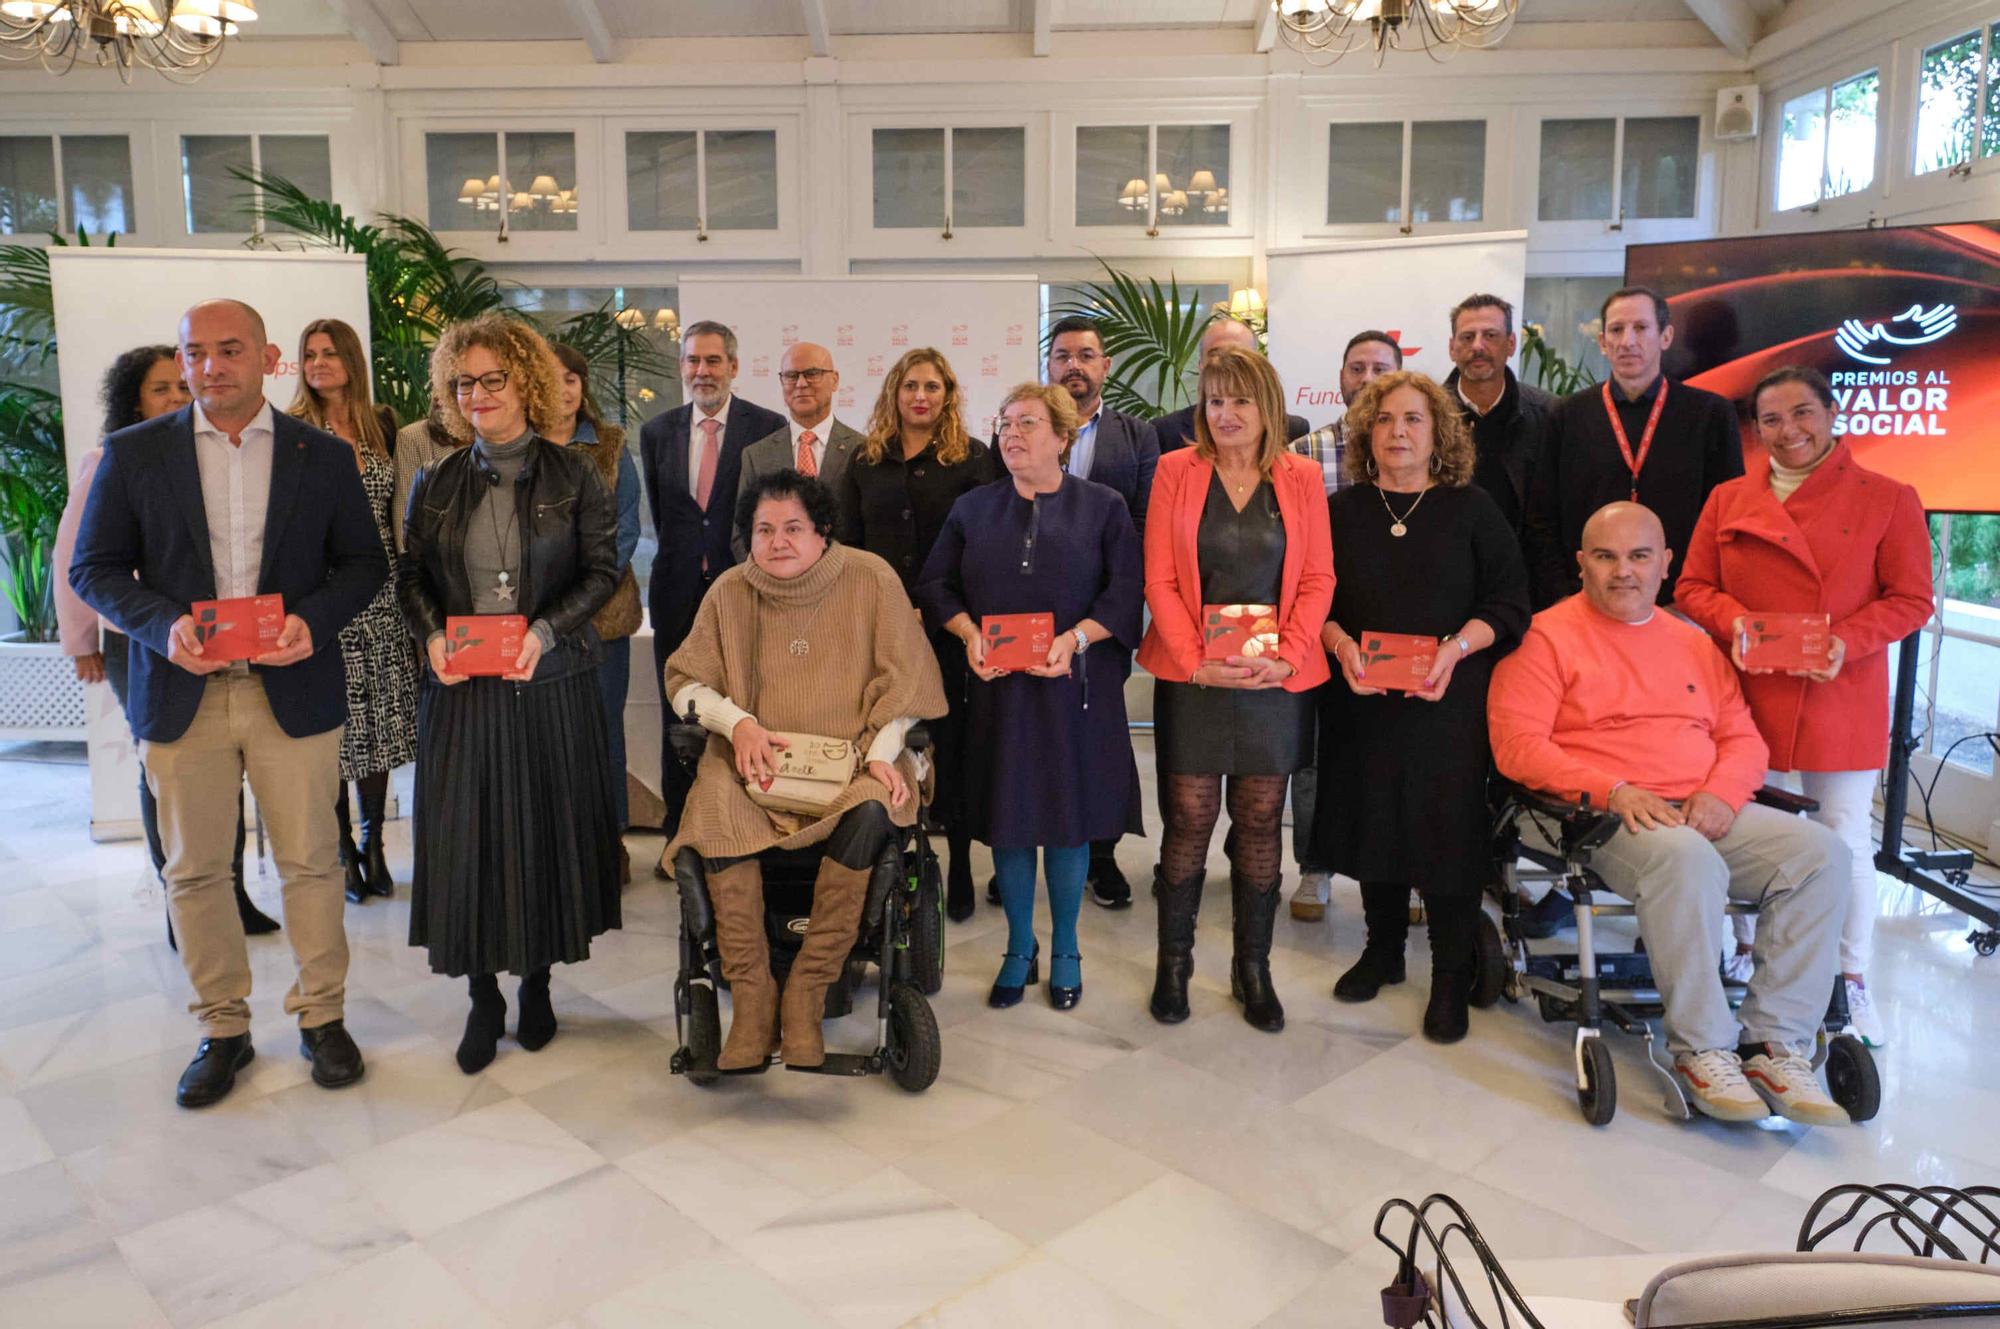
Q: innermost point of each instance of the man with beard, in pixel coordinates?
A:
(1510, 420)
(1224, 330)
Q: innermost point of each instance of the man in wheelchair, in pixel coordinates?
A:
(1613, 699)
(807, 665)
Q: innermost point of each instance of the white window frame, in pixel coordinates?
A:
(867, 241)
(1616, 232)
(620, 241)
(1244, 182)
(138, 146)
(180, 234)
(1840, 209)
(1961, 185)
(1493, 204)
(486, 243)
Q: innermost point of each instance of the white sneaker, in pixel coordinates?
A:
(1737, 966)
(1786, 1081)
(1862, 1019)
(1310, 898)
(1714, 1081)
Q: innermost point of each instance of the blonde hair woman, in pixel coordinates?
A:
(915, 462)
(381, 731)
(517, 854)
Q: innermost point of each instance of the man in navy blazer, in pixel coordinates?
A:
(1176, 430)
(692, 456)
(224, 499)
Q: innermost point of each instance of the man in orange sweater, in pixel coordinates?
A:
(1609, 696)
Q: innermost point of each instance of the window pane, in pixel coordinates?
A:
(742, 179)
(541, 166)
(451, 163)
(1447, 170)
(1109, 158)
(27, 185)
(909, 177)
(1576, 170)
(1364, 173)
(1802, 149)
(97, 173)
(989, 177)
(1850, 135)
(304, 159)
(1195, 160)
(1989, 132)
(1948, 81)
(660, 181)
(1662, 162)
(211, 194)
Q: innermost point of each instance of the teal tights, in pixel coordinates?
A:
(1065, 869)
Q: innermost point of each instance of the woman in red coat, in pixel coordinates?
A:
(1810, 530)
(1238, 523)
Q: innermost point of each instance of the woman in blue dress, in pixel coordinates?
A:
(1055, 769)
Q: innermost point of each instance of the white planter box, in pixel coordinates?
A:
(40, 697)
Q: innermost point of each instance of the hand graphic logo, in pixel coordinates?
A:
(1925, 326)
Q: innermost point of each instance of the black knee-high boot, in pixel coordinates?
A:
(1179, 903)
(374, 790)
(483, 1024)
(350, 857)
(958, 902)
(1256, 913)
(1453, 919)
(1386, 907)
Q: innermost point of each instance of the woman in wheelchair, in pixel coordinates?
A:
(807, 665)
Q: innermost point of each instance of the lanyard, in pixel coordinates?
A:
(1635, 464)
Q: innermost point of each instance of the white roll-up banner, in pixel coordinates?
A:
(109, 300)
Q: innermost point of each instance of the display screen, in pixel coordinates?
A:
(1904, 322)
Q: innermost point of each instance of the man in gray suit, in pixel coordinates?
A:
(812, 441)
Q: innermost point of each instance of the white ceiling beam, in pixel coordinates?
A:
(1042, 18)
(1735, 23)
(590, 25)
(369, 28)
(819, 34)
(1267, 29)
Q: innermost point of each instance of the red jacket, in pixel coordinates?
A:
(1848, 543)
(1172, 648)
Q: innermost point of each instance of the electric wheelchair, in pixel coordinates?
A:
(901, 934)
(1591, 986)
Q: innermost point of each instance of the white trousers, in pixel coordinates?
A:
(1846, 807)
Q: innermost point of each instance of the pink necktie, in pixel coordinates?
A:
(711, 453)
(807, 466)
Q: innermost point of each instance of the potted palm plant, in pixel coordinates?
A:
(40, 697)
(1153, 336)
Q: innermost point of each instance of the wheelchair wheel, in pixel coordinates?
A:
(704, 1034)
(1598, 1098)
(926, 939)
(1852, 1079)
(1489, 963)
(915, 1049)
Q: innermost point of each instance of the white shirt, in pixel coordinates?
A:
(819, 430)
(697, 437)
(236, 494)
(1471, 405)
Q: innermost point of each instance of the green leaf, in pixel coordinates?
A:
(1152, 335)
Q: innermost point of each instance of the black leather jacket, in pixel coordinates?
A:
(569, 539)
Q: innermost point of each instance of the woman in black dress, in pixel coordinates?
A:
(1056, 769)
(517, 853)
(1402, 803)
(914, 464)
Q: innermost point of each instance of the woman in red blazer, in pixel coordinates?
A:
(1810, 530)
(1238, 524)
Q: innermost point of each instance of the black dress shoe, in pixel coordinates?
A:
(1108, 886)
(212, 1073)
(330, 1048)
(1003, 995)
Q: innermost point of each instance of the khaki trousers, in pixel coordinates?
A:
(195, 780)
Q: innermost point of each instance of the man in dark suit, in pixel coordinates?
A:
(812, 442)
(1177, 430)
(692, 456)
(226, 499)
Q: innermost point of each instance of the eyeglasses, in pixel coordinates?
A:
(492, 382)
(788, 377)
(1084, 357)
(1017, 424)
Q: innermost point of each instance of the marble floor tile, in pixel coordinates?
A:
(1034, 1290)
(405, 1288)
(94, 1292)
(92, 1040)
(402, 1093)
(726, 1292)
(629, 1104)
(46, 1225)
(1306, 1057)
(21, 1141)
(591, 1035)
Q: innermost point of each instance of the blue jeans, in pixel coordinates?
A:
(614, 676)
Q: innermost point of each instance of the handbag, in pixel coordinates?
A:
(812, 770)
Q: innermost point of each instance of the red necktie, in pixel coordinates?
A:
(711, 453)
(807, 465)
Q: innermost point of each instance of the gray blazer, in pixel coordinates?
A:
(776, 451)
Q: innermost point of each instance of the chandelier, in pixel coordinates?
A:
(1325, 30)
(179, 39)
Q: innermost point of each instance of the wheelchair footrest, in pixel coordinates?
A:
(842, 1063)
(1617, 970)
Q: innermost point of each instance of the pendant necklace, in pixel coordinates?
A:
(799, 646)
(503, 590)
(1398, 526)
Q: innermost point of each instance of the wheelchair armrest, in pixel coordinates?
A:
(918, 739)
(1784, 800)
(687, 738)
(1585, 827)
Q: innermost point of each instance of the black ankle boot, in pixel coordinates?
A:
(350, 856)
(535, 1024)
(1256, 912)
(1385, 906)
(958, 902)
(483, 1024)
(1445, 1018)
(374, 816)
(1376, 969)
(1453, 925)
(1179, 903)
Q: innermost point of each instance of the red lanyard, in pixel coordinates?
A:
(1635, 464)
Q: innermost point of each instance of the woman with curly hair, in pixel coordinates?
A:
(141, 384)
(1402, 803)
(516, 853)
(381, 667)
(914, 463)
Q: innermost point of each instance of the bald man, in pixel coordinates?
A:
(811, 442)
(1610, 696)
(1223, 331)
(227, 499)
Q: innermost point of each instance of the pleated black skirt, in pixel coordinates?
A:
(516, 842)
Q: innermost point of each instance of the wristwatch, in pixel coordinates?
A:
(1082, 642)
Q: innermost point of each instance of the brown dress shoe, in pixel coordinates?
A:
(838, 894)
(737, 895)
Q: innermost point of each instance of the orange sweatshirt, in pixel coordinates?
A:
(1586, 702)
